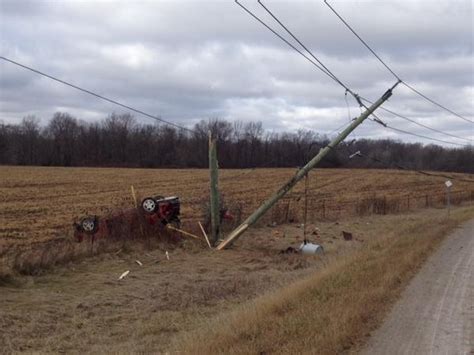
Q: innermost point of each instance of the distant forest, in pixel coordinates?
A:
(120, 141)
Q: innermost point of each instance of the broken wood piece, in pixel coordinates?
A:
(139, 262)
(182, 232)
(205, 235)
(167, 255)
(124, 274)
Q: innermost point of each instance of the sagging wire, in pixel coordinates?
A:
(324, 69)
(391, 70)
(156, 118)
(417, 123)
(385, 125)
(329, 72)
(401, 167)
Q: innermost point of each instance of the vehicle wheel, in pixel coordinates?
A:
(149, 205)
(89, 225)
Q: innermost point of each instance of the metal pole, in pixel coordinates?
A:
(300, 174)
(214, 190)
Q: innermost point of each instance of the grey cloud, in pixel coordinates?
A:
(190, 60)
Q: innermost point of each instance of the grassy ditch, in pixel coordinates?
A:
(335, 309)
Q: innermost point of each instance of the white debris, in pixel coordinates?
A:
(139, 262)
(167, 255)
(124, 275)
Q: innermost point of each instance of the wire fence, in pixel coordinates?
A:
(291, 208)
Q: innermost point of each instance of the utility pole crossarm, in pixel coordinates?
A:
(300, 174)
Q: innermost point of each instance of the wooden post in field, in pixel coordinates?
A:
(448, 184)
(214, 190)
(134, 196)
(301, 173)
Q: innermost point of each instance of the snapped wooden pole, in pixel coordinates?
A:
(301, 173)
(214, 190)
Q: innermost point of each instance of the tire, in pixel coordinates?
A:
(149, 205)
(89, 225)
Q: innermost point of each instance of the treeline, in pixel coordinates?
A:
(120, 141)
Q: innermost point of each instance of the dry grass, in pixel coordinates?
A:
(333, 310)
(82, 307)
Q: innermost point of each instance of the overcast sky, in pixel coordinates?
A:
(192, 60)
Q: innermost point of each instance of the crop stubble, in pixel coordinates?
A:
(40, 203)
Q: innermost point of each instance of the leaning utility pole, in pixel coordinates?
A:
(301, 173)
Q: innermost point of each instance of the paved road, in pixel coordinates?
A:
(436, 312)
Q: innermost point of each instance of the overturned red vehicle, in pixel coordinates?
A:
(153, 211)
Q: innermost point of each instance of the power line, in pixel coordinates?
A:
(401, 167)
(96, 95)
(325, 70)
(416, 134)
(321, 68)
(436, 103)
(417, 123)
(282, 38)
(391, 70)
(360, 38)
(302, 45)
(332, 75)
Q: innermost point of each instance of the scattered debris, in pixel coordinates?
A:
(139, 262)
(347, 235)
(167, 255)
(205, 235)
(124, 275)
(169, 226)
(310, 248)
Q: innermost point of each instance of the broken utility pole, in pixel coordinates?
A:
(214, 190)
(301, 173)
